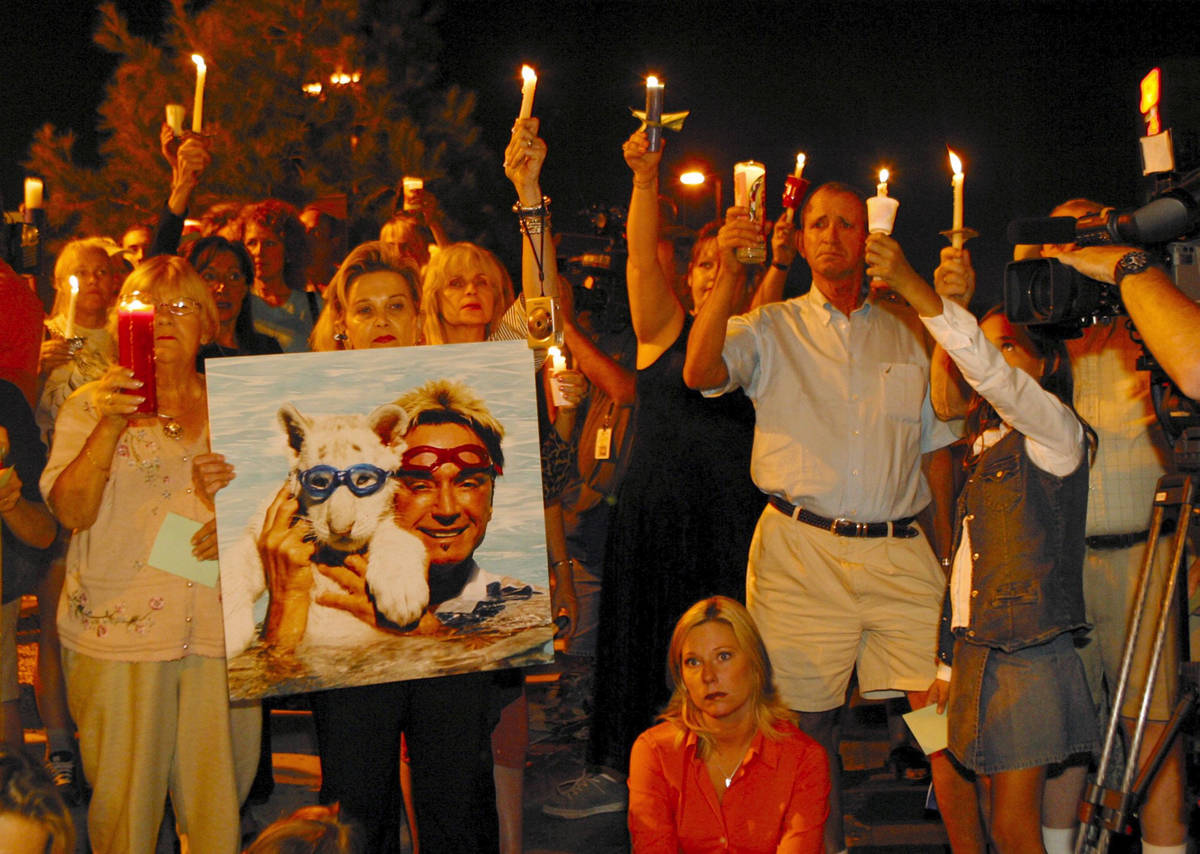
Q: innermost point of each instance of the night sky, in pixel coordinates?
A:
(1039, 98)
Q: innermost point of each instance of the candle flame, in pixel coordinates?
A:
(652, 81)
(883, 176)
(199, 60)
(554, 352)
(134, 302)
(74, 284)
(528, 73)
(800, 161)
(955, 163)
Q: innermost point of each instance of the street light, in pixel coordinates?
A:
(696, 178)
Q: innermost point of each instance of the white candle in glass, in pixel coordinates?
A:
(33, 193)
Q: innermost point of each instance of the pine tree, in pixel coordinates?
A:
(270, 137)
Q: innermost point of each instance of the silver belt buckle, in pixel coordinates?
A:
(833, 526)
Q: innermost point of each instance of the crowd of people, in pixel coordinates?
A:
(749, 500)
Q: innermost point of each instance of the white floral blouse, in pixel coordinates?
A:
(114, 604)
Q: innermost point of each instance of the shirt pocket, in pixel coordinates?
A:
(903, 390)
(998, 486)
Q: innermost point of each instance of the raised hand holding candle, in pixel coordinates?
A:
(956, 237)
(794, 187)
(198, 100)
(558, 364)
(33, 193)
(135, 346)
(69, 325)
(528, 85)
(654, 108)
(881, 208)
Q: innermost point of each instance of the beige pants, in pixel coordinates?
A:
(149, 728)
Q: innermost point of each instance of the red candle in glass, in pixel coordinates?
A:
(135, 339)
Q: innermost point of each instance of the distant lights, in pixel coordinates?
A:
(338, 78)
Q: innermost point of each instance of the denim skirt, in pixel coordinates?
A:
(1014, 710)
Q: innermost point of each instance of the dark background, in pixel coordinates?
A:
(1038, 98)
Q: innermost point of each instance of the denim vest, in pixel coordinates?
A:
(1027, 540)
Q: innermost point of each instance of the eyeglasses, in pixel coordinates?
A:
(426, 459)
(181, 307)
(233, 277)
(363, 479)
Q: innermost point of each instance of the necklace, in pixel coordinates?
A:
(729, 778)
(170, 427)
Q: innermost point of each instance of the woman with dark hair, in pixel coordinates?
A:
(727, 769)
(228, 270)
(1015, 597)
(276, 239)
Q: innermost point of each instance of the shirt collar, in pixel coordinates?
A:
(825, 308)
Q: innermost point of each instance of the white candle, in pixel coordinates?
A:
(529, 84)
(881, 208)
(33, 193)
(175, 114)
(198, 100)
(558, 364)
(69, 326)
(800, 158)
(956, 239)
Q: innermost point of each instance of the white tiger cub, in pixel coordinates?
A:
(341, 473)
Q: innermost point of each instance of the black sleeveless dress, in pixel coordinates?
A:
(680, 531)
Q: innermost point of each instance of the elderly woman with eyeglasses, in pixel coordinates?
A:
(140, 624)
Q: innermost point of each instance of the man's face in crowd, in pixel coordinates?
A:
(136, 241)
(833, 241)
(446, 505)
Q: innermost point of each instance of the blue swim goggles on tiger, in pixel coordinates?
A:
(362, 479)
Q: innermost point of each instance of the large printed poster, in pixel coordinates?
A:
(385, 521)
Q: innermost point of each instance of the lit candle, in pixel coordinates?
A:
(956, 239)
(881, 208)
(198, 100)
(558, 364)
(33, 193)
(794, 187)
(69, 326)
(135, 346)
(654, 107)
(529, 84)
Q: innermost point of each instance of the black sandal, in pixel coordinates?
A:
(909, 764)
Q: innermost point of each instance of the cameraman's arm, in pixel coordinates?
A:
(1165, 318)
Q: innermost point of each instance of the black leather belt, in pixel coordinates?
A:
(1109, 542)
(845, 527)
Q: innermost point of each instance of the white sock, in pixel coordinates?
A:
(1058, 840)
(1150, 848)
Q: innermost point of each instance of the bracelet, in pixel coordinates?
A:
(87, 453)
(540, 209)
(779, 266)
(533, 225)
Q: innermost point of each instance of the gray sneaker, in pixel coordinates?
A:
(587, 795)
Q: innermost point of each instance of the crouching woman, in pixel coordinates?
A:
(727, 769)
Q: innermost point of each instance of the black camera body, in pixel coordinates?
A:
(1057, 299)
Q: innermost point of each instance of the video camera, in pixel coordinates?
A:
(1062, 302)
(21, 242)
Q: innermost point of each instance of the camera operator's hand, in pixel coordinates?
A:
(954, 277)
(1095, 262)
(523, 159)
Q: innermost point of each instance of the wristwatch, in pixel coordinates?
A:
(1132, 263)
